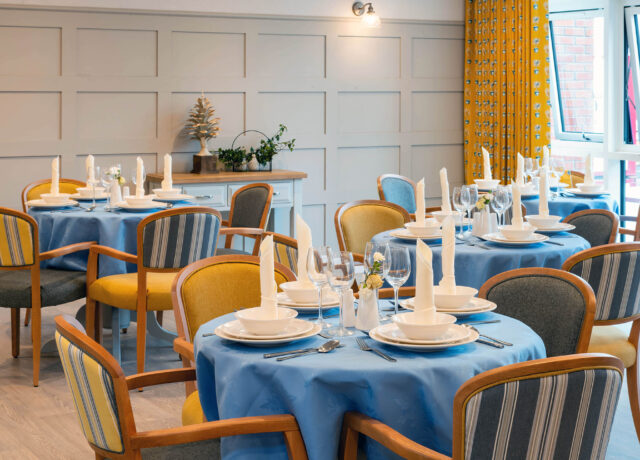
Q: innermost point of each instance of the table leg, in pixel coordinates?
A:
(157, 331)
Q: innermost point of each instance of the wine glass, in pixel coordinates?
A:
(473, 198)
(340, 272)
(398, 269)
(460, 202)
(317, 266)
(556, 168)
(528, 167)
(373, 264)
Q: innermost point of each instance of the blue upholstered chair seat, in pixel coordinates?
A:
(56, 287)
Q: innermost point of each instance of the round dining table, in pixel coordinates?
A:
(568, 204)
(413, 395)
(475, 263)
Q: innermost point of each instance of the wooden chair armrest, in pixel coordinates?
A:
(147, 379)
(64, 250)
(224, 223)
(628, 218)
(626, 231)
(184, 348)
(385, 435)
(115, 253)
(358, 257)
(244, 231)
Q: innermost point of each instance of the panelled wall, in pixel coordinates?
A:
(360, 102)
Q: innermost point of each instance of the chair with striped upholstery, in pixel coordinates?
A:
(613, 270)
(206, 290)
(557, 305)
(34, 190)
(558, 408)
(597, 226)
(285, 250)
(167, 241)
(100, 392)
(23, 284)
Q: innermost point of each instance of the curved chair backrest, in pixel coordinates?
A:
(172, 239)
(613, 271)
(216, 286)
(358, 221)
(285, 250)
(18, 239)
(550, 408)
(597, 226)
(35, 189)
(399, 190)
(558, 306)
(250, 206)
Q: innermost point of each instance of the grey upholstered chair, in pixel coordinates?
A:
(553, 408)
(248, 214)
(597, 226)
(558, 306)
(613, 270)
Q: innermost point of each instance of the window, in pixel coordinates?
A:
(631, 74)
(577, 75)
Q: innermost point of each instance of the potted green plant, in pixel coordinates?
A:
(233, 158)
(270, 147)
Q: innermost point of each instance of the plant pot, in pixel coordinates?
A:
(239, 168)
(253, 164)
(266, 167)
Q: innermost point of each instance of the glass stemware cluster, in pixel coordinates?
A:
(464, 201)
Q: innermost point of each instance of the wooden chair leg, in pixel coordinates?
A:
(27, 315)
(633, 378)
(36, 335)
(159, 315)
(295, 445)
(15, 332)
(141, 341)
(90, 318)
(349, 441)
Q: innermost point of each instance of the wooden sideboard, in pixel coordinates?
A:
(215, 190)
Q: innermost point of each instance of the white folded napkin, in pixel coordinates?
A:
(448, 281)
(520, 170)
(444, 187)
(486, 158)
(139, 178)
(545, 156)
(424, 303)
(91, 171)
(267, 279)
(588, 173)
(55, 176)
(516, 219)
(304, 244)
(167, 180)
(543, 207)
(420, 203)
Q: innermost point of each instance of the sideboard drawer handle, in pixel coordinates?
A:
(276, 193)
(200, 197)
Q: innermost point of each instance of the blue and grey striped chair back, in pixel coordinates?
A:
(177, 240)
(398, 190)
(613, 271)
(558, 414)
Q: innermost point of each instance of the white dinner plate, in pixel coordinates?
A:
(140, 207)
(577, 192)
(173, 199)
(219, 331)
(404, 234)
(40, 203)
(475, 306)
(328, 301)
(559, 227)
(296, 327)
(526, 196)
(500, 238)
(99, 197)
(472, 337)
(392, 332)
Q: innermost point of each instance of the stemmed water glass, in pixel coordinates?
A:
(500, 202)
(460, 201)
(317, 266)
(557, 170)
(398, 269)
(528, 168)
(473, 198)
(371, 252)
(340, 274)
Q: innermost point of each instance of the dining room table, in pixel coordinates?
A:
(477, 260)
(413, 395)
(567, 204)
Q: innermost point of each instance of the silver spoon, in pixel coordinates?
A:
(501, 342)
(324, 348)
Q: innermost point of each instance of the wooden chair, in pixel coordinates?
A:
(206, 290)
(525, 410)
(248, 215)
(597, 226)
(23, 284)
(558, 306)
(37, 188)
(572, 178)
(613, 270)
(100, 392)
(358, 221)
(286, 250)
(167, 241)
(626, 231)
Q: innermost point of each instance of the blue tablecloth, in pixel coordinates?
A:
(565, 205)
(474, 265)
(413, 395)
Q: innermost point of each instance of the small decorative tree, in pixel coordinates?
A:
(201, 125)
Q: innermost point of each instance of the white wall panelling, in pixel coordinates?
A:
(360, 102)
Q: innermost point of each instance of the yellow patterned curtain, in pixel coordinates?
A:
(506, 89)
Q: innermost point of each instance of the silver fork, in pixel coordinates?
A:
(364, 347)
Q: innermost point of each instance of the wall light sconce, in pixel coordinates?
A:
(369, 16)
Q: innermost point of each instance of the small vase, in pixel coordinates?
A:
(253, 164)
(204, 151)
(368, 313)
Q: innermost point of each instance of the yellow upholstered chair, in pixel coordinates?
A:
(571, 178)
(23, 284)
(167, 241)
(358, 221)
(210, 288)
(100, 392)
(613, 270)
(35, 189)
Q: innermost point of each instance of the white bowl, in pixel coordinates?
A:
(517, 233)
(301, 293)
(132, 200)
(543, 221)
(413, 325)
(430, 227)
(174, 192)
(487, 184)
(86, 192)
(55, 199)
(257, 320)
(589, 188)
(442, 215)
(460, 298)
